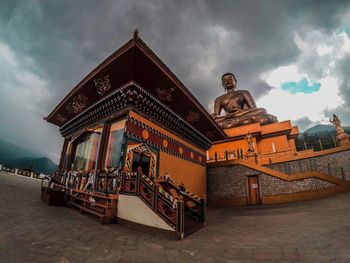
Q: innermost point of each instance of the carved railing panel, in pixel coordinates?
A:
(167, 210)
(193, 205)
(129, 186)
(146, 193)
(155, 195)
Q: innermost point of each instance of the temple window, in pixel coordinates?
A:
(86, 150)
(114, 145)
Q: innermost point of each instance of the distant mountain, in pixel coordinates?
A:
(317, 137)
(13, 151)
(38, 165)
(321, 128)
(15, 156)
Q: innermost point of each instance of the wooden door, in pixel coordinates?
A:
(254, 193)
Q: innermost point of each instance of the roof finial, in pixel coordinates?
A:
(136, 33)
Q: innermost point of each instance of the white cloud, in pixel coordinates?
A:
(282, 74)
(19, 85)
(318, 58)
(289, 106)
(34, 91)
(23, 95)
(345, 47)
(6, 54)
(323, 50)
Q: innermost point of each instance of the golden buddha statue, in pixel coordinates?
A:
(239, 106)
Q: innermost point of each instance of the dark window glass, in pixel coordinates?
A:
(140, 160)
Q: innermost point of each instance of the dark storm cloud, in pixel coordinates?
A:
(303, 123)
(343, 112)
(62, 41)
(343, 69)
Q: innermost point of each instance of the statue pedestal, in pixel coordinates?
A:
(261, 118)
(271, 141)
(343, 140)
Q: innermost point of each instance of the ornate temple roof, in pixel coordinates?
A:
(135, 62)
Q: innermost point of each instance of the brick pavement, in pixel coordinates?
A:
(313, 231)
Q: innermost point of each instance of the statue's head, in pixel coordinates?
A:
(229, 81)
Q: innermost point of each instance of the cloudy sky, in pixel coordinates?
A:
(292, 55)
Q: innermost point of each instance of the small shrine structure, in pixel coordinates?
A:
(134, 133)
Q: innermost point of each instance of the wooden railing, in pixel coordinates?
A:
(194, 206)
(181, 209)
(103, 206)
(163, 204)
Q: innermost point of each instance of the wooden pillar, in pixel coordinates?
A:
(71, 154)
(138, 177)
(100, 154)
(204, 210)
(180, 220)
(155, 197)
(63, 155)
(101, 147)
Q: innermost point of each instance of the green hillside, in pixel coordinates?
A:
(39, 165)
(13, 151)
(317, 137)
(15, 156)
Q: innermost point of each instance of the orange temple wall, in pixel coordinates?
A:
(192, 174)
(270, 141)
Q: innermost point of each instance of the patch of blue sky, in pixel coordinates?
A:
(302, 86)
(345, 29)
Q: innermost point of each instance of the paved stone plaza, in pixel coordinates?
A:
(313, 231)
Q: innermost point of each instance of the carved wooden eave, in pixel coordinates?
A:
(134, 62)
(132, 96)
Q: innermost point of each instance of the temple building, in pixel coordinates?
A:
(139, 148)
(134, 133)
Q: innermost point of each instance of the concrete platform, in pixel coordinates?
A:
(312, 231)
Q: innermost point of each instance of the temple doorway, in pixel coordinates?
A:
(253, 190)
(140, 156)
(140, 161)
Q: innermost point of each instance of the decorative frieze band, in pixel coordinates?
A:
(137, 129)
